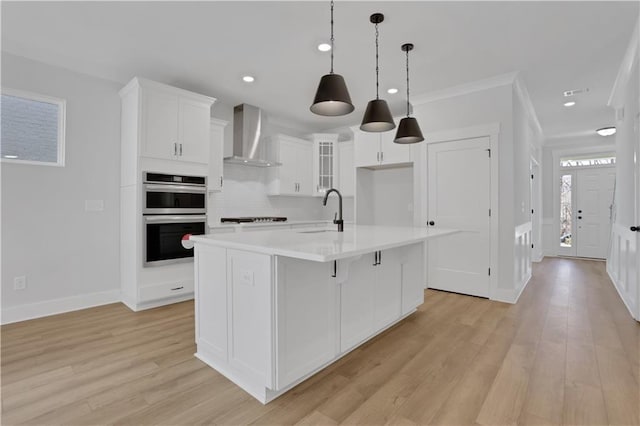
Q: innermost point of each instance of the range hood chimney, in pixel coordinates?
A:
(247, 133)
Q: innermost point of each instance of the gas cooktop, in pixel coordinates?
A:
(252, 219)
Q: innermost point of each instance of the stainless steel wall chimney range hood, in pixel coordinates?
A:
(247, 133)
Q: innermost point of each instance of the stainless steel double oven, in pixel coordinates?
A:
(173, 206)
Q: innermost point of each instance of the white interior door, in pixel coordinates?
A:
(459, 183)
(594, 189)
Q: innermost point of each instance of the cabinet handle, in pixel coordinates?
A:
(378, 156)
(382, 157)
(177, 288)
(175, 148)
(375, 258)
(335, 269)
(181, 150)
(380, 258)
(221, 181)
(635, 228)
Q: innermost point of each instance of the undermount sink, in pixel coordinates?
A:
(315, 231)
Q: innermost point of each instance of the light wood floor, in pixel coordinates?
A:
(568, 352)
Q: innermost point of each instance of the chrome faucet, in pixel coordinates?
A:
(338, 218)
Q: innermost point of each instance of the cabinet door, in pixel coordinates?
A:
(306, 318)
(217, 153)
(413, 275)
(288, 171)
(357, 303)
(366, 149)
(194, 126)
(159, 124)
(393, 153)
(347, 170)
(305, 169)
(388, 288)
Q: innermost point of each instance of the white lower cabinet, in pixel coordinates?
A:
(268, 322)
(357, 302)
(305, 318)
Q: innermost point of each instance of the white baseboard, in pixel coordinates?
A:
(616, 286)
(157, 303)
(58, 306)
(509, 295)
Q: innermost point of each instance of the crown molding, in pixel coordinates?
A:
(616, 99)
(463, 89)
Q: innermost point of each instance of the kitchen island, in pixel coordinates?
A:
(274, 307)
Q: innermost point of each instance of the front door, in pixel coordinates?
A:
(586, 196)
(459, 182)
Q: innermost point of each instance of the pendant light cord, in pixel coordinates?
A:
(407, 82)
(331, 37)
(377, 69)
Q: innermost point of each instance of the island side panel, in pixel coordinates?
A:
(211, 300)
(306, 318)
(234, 291)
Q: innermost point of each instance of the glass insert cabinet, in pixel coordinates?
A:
(325, 162)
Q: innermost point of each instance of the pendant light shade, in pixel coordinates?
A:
(377, 117)
(332, 97)
(408, 130)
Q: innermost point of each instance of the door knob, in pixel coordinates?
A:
(635, 229)
(431, 223)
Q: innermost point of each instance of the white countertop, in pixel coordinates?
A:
(310, 244)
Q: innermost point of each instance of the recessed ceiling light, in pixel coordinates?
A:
(392, 91)
(324, 47)
(248, 79)
(569, 104)
(11, 156)
(606, 131)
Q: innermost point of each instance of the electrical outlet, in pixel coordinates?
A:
(20, 283)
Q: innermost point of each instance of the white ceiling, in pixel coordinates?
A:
(208, 46)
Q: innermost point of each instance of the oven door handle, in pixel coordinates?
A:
(153, 187)
(174, 219)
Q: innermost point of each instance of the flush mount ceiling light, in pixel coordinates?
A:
(377, 117)
(606, 131)
(408, 129)
(332, 97)
(248, 79)
(324, 47)
(392, 91)
(569, 104)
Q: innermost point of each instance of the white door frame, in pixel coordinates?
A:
(490, 130)
(557, 154)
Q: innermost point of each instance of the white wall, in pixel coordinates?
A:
(385, 196)
(623, 263)
(69, 256)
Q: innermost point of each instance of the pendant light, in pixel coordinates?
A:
(377, 117)
(332, 97)
(408, 129)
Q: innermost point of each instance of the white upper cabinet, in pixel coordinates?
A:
(216, 179)
(193, 130)
(346, 169)
(325, 162)
(378, 149)
(295, 175)
(174, 123)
